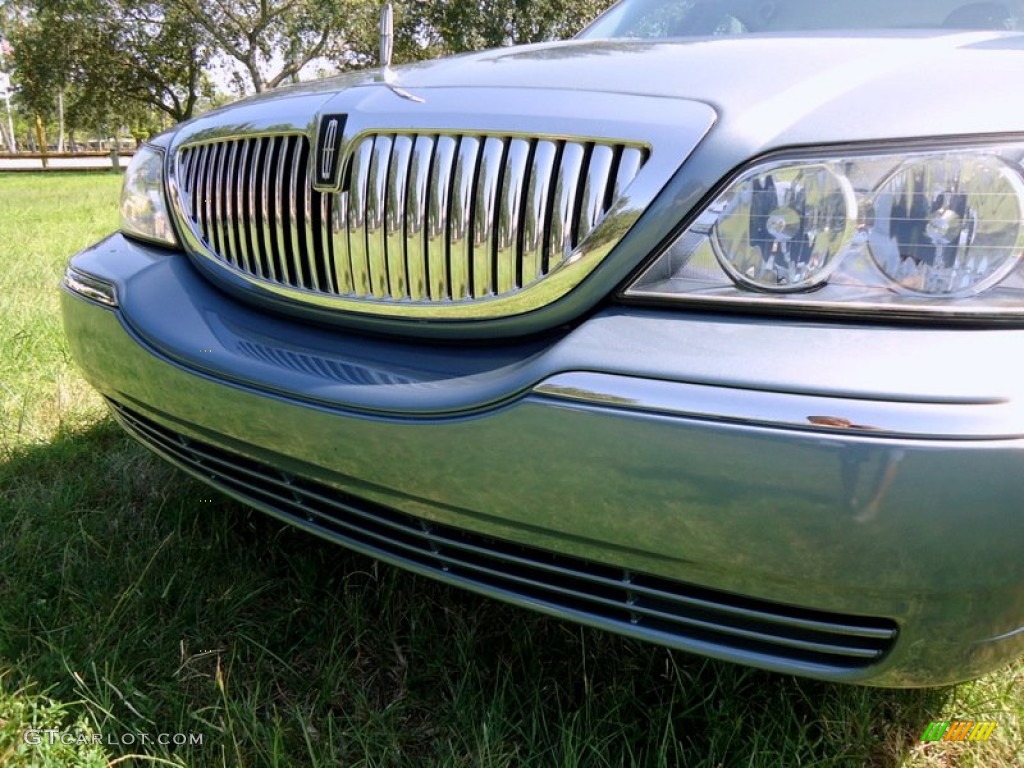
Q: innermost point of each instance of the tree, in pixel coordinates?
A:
(164, 56)
(274, 39)
(466, 25)
(101, 64)
(108, 57)
(7, 135)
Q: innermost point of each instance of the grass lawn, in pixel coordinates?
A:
(135, 602)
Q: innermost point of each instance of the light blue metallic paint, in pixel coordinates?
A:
(739, 501)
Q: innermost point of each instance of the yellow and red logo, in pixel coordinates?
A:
(958, 730)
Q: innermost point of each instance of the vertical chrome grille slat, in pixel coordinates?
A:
(416, 216)
(340, 269)
(630, 163)
(217, 228)
(376, 236)
(357, 217)
(241, 210)
(564, 211)
(234, 253)
(204, 192)
(423, 218)
(439, 193)
(319, 235)
(224, 191)
(282, 206)
(484, 216)
(316, 232)
(219, 212)
(394, 219)
(595, 189)
(509, 215)
(203, 196)
(538, 196)
(255, 198)
(295, 195)
(198, 202)
(460, 227)
(188, 165)
(267, 211)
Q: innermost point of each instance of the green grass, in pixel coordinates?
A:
(130, 605)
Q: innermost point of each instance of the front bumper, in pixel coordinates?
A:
(836, 501)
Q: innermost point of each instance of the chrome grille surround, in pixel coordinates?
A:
(424, 219)
(650, 607)
(478, 204)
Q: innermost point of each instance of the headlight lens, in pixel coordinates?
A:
(143, 207)
(939, 231)
(948, 227)
(781, 229)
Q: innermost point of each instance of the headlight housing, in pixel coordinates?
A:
(914, 233)
(143, 205)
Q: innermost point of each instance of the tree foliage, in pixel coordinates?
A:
(164, 55)
(272, 40)
(467, 26)
(108, 58)
(112, 59)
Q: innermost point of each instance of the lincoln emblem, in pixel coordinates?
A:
(327, 148)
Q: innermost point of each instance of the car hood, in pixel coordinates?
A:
(767, 89)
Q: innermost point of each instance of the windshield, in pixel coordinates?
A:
(647, 19)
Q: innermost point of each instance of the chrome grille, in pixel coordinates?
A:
(654, 608)
(251, 202)
(427, 218)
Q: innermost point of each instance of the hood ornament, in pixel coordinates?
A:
(387, 49)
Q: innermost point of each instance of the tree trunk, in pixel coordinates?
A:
(60, 120)
(4, 138)
(257, 79)
(41, 138)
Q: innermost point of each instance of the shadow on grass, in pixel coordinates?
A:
(151, 605)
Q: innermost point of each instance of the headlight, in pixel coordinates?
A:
(909, 233)
(143, 207)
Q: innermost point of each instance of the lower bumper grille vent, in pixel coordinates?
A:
(653, 608)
